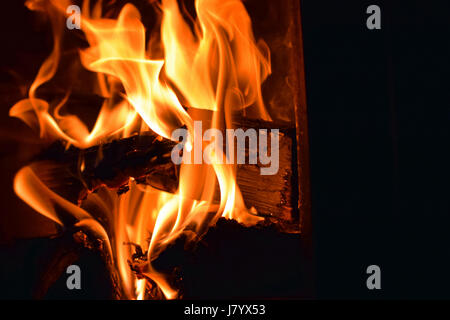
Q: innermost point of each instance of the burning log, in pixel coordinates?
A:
(224, 77)
(67, 249)
(74, 173)
(257, 256)
(192, 266)
(79, 171)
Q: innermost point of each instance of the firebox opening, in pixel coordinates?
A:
(109, 105)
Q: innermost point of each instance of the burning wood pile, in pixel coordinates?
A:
(191, 166)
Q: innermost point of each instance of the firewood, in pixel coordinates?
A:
(146, 158)
(71, 245)
(76, 172)
(232, 260)
(270, 263)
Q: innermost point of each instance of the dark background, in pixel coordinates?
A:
(379, 119)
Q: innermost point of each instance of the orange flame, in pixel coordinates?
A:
(215, 68)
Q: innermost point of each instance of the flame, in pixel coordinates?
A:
(208, 72)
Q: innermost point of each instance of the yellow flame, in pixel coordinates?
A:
(216, 68)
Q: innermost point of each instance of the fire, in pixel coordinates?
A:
(208, 72)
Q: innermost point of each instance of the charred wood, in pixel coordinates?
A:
(147, 159)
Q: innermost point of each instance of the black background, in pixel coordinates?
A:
(379, 119)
